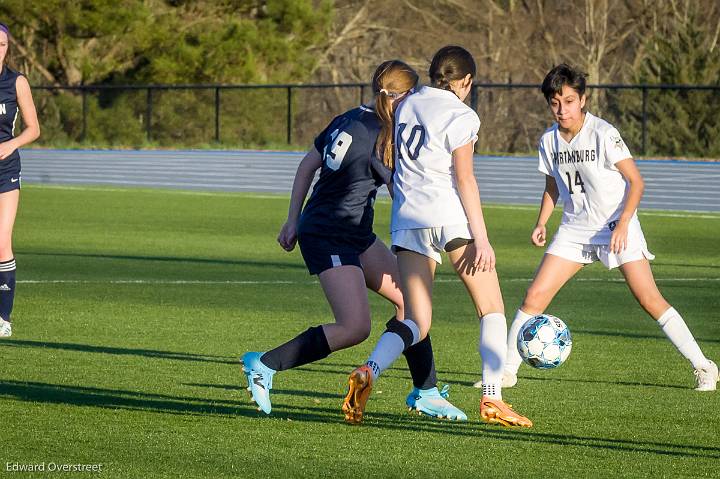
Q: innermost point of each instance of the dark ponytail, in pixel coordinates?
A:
(451, 63)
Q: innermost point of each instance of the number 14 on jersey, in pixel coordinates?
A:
(578, 182)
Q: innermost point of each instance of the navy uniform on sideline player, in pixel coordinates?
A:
(588, 167)
(336, 238)
(437, 208)
(14, 96)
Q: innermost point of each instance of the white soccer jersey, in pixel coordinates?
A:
(429, 125)
(591, 188)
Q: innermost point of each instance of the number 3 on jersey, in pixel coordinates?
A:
(335, 151)
(578, 182)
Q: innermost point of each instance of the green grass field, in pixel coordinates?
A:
(134, 305)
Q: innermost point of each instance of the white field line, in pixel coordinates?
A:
(284, 282)
(284, 196)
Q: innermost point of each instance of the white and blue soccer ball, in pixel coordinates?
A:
(544, 341)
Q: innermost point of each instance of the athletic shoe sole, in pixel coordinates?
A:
(359, 388)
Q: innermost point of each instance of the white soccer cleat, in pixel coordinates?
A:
(706, 378)
(6, 329)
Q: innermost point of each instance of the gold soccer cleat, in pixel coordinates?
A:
(495, 411)
(359, 387)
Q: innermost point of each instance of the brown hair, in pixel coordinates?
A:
(8, 56)
(391, 80)
(560, 75)
(451, 63)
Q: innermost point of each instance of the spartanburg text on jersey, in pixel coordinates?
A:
(591, 188)
(430, 124)
(343, 197)
(8, 116)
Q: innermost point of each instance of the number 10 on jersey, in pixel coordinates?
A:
(413, 141)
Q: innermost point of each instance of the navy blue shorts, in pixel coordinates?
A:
(325, 252)
(9, 181)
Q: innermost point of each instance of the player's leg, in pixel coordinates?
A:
(337, 264)
(8, 210)
(484, 289)
(552, 274)
(641, 282)
(382, 276)
(416, 276)
(344, 288)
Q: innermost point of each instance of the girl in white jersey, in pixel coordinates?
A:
(437, 208)
(588, 167)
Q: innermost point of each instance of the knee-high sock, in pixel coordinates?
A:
(513, 359)
(493, 349)
(677, 331)
(7, 288)
(304, 348)
(422, 364)
(398, 336)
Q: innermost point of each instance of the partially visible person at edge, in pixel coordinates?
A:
(15, 97)
(336, 238)
(437, 209)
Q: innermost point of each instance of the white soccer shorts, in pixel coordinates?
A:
(585, 253)
(430, 242)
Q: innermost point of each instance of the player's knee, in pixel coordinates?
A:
(6, 251)
(535, 299)
(652, 302)
(356, 334)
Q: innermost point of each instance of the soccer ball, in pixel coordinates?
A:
(544, 342)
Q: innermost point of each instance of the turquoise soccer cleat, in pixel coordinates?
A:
(259, 379)
(434, 403)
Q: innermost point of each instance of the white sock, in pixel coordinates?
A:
(493, 331)
(677, 331)
(389, 347)
(513, 359)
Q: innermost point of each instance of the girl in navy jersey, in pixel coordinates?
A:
(588, 167)
(14, 96)
(436, 208)
(335, 234)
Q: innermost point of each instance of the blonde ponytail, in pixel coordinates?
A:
(392, 79)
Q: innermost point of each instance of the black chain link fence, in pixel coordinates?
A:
(655, 120)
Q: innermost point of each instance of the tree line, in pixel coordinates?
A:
(100, 42)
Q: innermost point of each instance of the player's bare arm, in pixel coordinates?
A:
(629, 170)
(470, 197)
(547, 206)
(31, 132)
(301, 185)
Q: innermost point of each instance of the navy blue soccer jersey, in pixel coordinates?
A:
(342, 200)
(8, 115)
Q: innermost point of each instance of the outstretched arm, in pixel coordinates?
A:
(301, 185)
(547, 205)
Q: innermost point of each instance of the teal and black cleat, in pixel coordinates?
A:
(434, 403)
(259, 379)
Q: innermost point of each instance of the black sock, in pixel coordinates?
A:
(422, 364)
(7, 288)
(304, 348)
